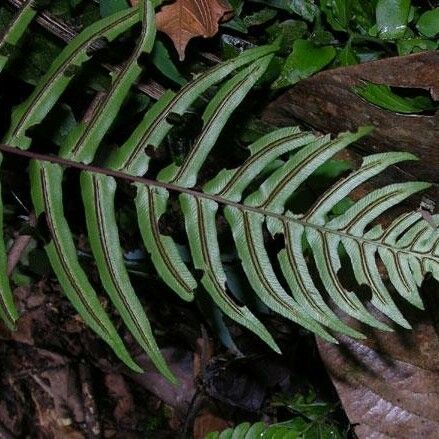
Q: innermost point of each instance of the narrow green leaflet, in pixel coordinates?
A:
(83, 141)
(98, 195)
(46, 181)
(215, 117)
(200, 223)
(383, 97)
(58, 77)
(8, 312)
(131, 157)
(151, 204)
(12, 35)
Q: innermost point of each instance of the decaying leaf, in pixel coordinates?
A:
(328, 103)
(389, 384)
(186, 19)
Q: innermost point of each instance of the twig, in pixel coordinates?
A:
(90, 408)
(5, 433)
(19, 246)
(88, 115)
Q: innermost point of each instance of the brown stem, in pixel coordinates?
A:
(90, 408)
(19, 246)
(146, 181)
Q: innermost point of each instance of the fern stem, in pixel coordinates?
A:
(172, 187)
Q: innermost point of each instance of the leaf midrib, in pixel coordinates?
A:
(216, 198)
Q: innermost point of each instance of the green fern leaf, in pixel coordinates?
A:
(151, 204)
(407, 248)
(62, 71)
(13, 34)
(8, 312)
(46, 180)
(83, 141)
(131, 157)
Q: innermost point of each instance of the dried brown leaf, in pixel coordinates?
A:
(208, 422)
(186, 19)
(389, 384)
(328, 103)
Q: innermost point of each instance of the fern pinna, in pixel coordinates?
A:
(280, 161)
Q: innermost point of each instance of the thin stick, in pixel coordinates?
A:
(19, 246)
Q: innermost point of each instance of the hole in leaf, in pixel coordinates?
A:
(97, 45)
(43, 228)
(144, 60)
(403, 100)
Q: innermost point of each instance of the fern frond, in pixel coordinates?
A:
(60, 74)
(408, 249)
(46, 181)
(131, 157)
(15, 31)
(8, 311)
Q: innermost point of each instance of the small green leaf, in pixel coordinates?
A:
(259, 17)
(338, 13)
(109, 7)
(347, 56)
(364, 12)
(306, 9)
(415, 45)
(305, 60)
(392, 17)
(383, 97)
(161, 58)
(288, 31)
(428, 23)
(98, 193)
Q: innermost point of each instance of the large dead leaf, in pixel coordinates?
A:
(186, 19)
(389, 385)
(326, 102)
